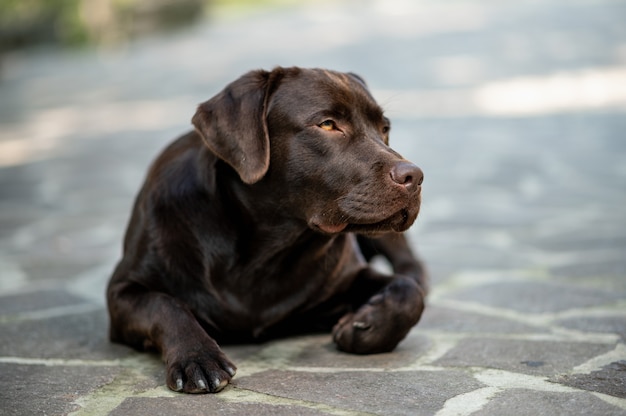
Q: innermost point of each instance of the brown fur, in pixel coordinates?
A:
(260, 223)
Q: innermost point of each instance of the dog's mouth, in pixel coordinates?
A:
(398, 222)
(332, 228)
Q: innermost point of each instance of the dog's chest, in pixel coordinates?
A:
(260, 293)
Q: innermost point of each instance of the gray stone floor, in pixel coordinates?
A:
(516, 111)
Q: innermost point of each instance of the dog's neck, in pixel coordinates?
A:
(258, 207)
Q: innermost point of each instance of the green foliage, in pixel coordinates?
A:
(80, 22)
(24, 22)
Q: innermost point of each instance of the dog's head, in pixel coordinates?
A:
(318, 144)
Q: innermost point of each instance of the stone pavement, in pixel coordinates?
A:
(516, 111)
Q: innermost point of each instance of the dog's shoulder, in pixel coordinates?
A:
(182, 171)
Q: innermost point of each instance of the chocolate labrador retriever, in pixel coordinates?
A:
(261, 223)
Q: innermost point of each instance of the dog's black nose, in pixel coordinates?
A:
(407, 174)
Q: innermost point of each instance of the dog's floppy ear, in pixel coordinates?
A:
(359, 79)
(233, 126)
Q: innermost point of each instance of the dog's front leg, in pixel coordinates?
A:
(395, 248)
(153, 320)
(383, 321)
(387, 307)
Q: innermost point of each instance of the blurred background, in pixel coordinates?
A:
(515, 110)
(96, 22)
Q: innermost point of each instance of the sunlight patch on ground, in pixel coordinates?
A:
(561, 92)
(51, 128)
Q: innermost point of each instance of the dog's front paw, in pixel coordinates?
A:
(198, 370)
(380, 324)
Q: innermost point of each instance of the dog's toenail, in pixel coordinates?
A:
(219, 384)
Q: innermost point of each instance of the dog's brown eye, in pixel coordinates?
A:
(328, 125)
(386, 129)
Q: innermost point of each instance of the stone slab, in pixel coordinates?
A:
(611, 380)
(380, 392)
(33, 301)
(606, 324)
(520, 402)
(324, 353)
(604, 273)
(74, 336)
(522, 192)
(44, 268)
(241, 352)
(43, 390)
(545, 358)
(186, 405)
(536, 297)
(455, 321)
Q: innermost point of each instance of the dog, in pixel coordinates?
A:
(261, 223)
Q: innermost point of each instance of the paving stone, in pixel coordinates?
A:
(14, 215)
(467, 255)
(18, 183)
(451, 247)
(322, 352)
(535, 297)
(605, 273)
(451, 320)
(606, 324)
(538, 403)
(384, 393)
(611, 380)
(528, 357)
(600, 234)
(43, 390)
(205, 405)
(62, 240)
(81, 336)
(45, 268)
(11, 305)
(508, 192)
(240, 352)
